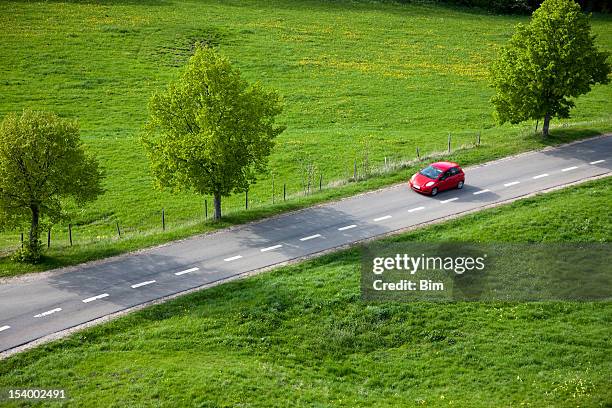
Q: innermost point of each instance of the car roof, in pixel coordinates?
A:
(444, 165)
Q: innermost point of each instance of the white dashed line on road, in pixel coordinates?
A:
(3, 328)
(540, 176)
(138, 285)
(310, 237)
(233, 258)
(348, 227)
(569, 168)
(271, 248)
(449, 200)
(416, 209)
(91, 299)
(481, 191)
(597, 161)
(187, 271)
(386, 217)
(513, 183)
(49, 312)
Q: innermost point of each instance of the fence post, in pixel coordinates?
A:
(70, 233)
(22, 240)
(284, 191)
(418, 153)
(273, 189)
(537, 123)
(478, 144)
(118, 229)
(205, 209)
(49, 238)
(321, 182)
(449, 142)
(246, 200)
(355, 170)
(163, 219)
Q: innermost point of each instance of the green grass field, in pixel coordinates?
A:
(358, 78)
(301, 336)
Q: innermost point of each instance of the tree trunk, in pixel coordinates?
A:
(34, 230)
(546, 124)
(217, 199)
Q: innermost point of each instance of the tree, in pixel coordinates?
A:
(547, 63)
(210, 131)
(42, 163)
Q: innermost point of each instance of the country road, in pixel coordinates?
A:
(38, 306)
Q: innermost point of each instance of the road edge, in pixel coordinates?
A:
(33, 276)
(67, 332)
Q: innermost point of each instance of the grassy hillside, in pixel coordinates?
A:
(301, 336)
(375, 79)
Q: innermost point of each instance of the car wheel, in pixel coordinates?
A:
(460, 185)
(434, 191)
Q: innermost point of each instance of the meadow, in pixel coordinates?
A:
(301, 335)
(363, 83)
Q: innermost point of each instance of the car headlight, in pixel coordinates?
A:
(412, 178)
(430, 183)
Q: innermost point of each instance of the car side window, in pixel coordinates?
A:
(454, 171)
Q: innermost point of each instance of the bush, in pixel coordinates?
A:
(28, 255)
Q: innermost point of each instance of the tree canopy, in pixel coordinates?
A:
(42, 162)
(547, 64)
(210, 131)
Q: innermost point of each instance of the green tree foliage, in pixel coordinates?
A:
(42, 162)
(210, 131)
(521, 6)
(547, 63)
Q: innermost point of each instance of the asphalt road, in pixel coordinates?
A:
(39, 306)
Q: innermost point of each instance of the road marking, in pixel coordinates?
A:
(511, 184)
(3, 328)
(416, 209)
(569, 168)
(233, 258)
(49, 312)
(597, 161)
(348, 227)
(386, 217)
(540, 176)
(310, 237)
(481, 191)
(91, 299)
(142, 284)
(187, 271)
(273, 247)
(449, 200)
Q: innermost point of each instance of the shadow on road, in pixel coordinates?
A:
(466, 195)
(207, 253)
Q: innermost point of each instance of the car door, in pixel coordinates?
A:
(445, 180)
(453, 178)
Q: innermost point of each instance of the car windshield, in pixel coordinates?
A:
(431, 172)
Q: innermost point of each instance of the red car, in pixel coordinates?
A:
(438, 177)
